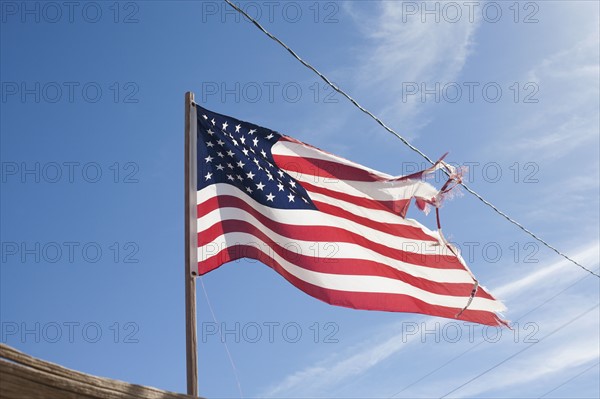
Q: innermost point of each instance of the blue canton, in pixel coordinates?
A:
(239, 153)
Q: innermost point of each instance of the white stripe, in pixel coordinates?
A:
(390, 190)
(375, 215)
(303, 217)
(343, 250)
(353, 283)
(378, 190)
(294, 149)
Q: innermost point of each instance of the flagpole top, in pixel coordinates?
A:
(189, 96)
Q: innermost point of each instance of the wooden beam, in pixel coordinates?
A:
(25, 377)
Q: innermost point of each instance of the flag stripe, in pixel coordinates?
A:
(379, 191)
(345, 250)
(351, 284)
(221, 208)
(325, 170)
(287, 146)
(420, 254)
(297, 253)
(398, 230)
(397, 207)
(366, 300)
(290, 156)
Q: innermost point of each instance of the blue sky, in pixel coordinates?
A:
(92, 236)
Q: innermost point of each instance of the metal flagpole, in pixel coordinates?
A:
(191, 244)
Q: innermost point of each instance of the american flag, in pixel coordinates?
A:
(333, 228)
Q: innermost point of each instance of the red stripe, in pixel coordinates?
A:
(356, 300)
(322, 169)
(331, 234)
(357, 267)
(398, 207)
(400, 230)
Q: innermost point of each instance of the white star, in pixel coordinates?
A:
(210, 144)
(208, 175)
(255, 161)
(240, 178)
(252, 131)
(208, 159)
(243, 140)
(260, 186)
(280, 172)
(291, 198)
(205, 117)
(230, 177)
(270, 197)
(234, 141)
(220, 154)
(230, 166)
(237, 128)
(210, 132)
(213, 121)
(304, 199)
(280, 187)
(245, 151)
(221, 142)
(269, 176)
(252, 149)
(230, 153)
(293, 184)
(240, 164)
(225, 126)
(220, 167)
(249, 190)
(250, 175)
(255, 142)
(270, 136)
(263, 153)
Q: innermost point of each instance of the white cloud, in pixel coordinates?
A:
(567, 116)
(337, 370)
(400, 52)
(587, 255)
(326, 374)
(570, 348)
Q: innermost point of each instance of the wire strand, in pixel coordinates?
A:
(570, 379)
(390, 130)
(481, 342)
(521, 351)
(235, 373)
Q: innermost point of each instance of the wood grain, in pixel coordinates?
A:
(25, 377)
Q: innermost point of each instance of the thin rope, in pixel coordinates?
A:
(521, 351)
(235, 373)
(409, 145)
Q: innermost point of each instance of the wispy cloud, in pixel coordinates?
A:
(399, 52)
(575, 346)
(327, 374)
(364, 358)
(588, 255)
(569, 82)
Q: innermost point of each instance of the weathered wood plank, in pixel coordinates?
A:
(23, 376)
